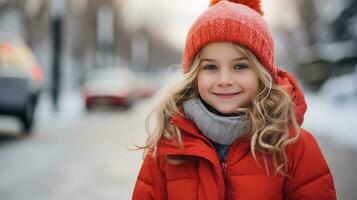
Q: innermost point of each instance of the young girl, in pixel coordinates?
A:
(231, 128)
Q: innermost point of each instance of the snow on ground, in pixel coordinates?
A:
(71, 109)
(332, 113)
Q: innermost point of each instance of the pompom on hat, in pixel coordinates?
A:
(254, 4)
(236, 21)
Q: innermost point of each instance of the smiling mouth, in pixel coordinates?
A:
(226, 95)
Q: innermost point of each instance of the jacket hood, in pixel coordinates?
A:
(289, 82)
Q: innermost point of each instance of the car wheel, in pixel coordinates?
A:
(89, 107)
(27, 117)
(128, 106)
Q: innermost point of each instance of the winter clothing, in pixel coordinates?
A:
(219, 129)
(202, 177)
(232, 22)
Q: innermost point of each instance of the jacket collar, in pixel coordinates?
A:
(189, 127)
(191, 137)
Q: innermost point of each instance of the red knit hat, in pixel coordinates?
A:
(238, 21)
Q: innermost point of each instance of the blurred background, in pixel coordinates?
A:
(77, 80)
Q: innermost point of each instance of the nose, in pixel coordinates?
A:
(225, 78)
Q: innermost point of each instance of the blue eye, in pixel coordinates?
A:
(240, 66)
(209, 67)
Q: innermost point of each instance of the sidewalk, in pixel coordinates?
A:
(342, 161)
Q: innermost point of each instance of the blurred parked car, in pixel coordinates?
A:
(109, 86)
(20, 81)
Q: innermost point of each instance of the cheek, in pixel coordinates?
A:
(204, 83)
(251, 83)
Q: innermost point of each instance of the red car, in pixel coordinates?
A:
(109, 86)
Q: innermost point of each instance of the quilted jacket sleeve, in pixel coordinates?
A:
(150, 183)
(310, 176)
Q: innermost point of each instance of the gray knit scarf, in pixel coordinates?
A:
(220, 129)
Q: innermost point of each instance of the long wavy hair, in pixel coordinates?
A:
(270, 116)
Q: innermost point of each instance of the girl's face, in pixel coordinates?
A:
(226, 80)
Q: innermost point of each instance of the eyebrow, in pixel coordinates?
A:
(234, 59)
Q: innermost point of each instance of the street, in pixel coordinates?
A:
(86, 159)
(76, 154)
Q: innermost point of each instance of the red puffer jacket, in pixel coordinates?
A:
(202, 177)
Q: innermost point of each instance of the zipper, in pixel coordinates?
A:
(224, 172)
(225, 177)
(225, 168)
